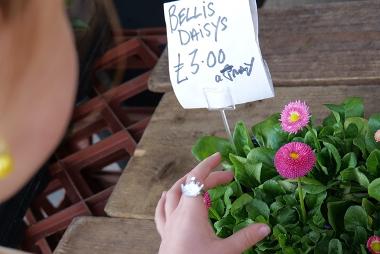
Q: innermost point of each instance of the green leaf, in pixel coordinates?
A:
(373, 126)
(298, 139)
(337, 112)
(218, 208)
(262, 154)
(323, 160)
(265, 156)
(322, 246)
(273, 188)
(241, 174)
(360, 123)
(290, 199)
(354, 174)
(318, 218)
(374, 122)
(242, 139)
(368, 206)
(286, 216)
(359, 142)
(311, 139)
(227, 200)
(254, 170)
(326, 131)
(287, 186)
(352, 131)
(355, 216)
(349, 160)
(217, 192)
(236, 188)
(335, 154)
(276, 206)
(315, 200)
(257, 208)
(280, 234)
(335, 210)
(353, 107)
(329, 121)
(373, 163)
(242, 225)
(362, 249)
(225, 226)
(312, 186)
(360, 236)
(374, 189)
(335, 247)
(239, 204)
(208, 145)
(268, 133)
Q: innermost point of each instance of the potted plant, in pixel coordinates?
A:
(317, 186)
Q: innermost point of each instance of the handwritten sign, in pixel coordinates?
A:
(213, 44)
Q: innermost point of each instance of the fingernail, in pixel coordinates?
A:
(215, 154)
(264, 230)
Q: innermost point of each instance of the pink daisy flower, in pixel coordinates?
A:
(377, 136)
(294, 116)
(294, 160)
(373, 244)
(207, 200)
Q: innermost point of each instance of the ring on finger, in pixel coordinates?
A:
(192, 188)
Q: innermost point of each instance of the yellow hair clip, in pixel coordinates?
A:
(6, 161)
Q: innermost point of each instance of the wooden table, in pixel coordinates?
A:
(324, 44)
(4, 250)
(88, 235)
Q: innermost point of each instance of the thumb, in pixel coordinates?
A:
(245, 238)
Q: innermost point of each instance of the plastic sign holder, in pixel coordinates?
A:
(217, 98)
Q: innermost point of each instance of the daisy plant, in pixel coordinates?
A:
(316, 186)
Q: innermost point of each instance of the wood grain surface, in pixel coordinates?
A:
(4, 250)
(316, 44)
(164, 152)
(88, 235)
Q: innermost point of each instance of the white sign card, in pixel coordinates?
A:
(213, 44)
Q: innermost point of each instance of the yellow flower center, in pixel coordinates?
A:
(294, 117)
(294, 155)
(375, 246)
(6, 165)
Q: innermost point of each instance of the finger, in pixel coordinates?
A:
(244, 238)
(173, 196)
(159, 215)
(218, 178)
(200, 172)
(203, 169)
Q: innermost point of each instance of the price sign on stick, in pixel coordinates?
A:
(213, 46)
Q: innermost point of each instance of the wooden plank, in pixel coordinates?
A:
(164, 152)
(4, 250)
(315, 44)
(159, 80)
(88, 235)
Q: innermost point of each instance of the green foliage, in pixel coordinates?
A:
(269, 134)
(341, 193)
(374, 189)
